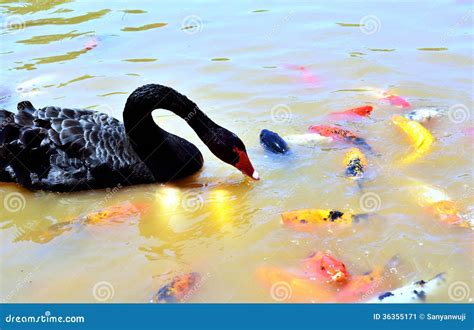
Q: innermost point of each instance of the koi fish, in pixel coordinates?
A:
(423, 115)
(309, 139)
(309, 219)
(91, 43)
(286, 286)
(395, 100)
(322, 274)
(325, 280)
(327, 267)
(315, 216)
(306, 76)
(273, 142)
(115, 213)
(353, 113)
(44, 236)
(355, 164)
(363, 287)
(178, 290)
(437, 202)
(419, 136)
(340, 134)
(416, 292)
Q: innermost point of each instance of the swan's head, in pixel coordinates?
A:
(230, 149)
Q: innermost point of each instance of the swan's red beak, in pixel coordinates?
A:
(244, 165)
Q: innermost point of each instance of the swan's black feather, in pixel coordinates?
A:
(65, 149)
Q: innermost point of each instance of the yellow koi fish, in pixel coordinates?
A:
(308, 219)
(419, 136)
(436, 201)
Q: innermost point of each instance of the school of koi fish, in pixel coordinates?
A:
(321, 277)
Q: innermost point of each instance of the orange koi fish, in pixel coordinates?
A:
(340, 134)
(325, 280)
(353, 113)
(326, 267)
(115, 213)
(285, 286)
(180, 288)
(395, 100)
(363, 287)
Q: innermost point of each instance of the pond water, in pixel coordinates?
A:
(249, 65)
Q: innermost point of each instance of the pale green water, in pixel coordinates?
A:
(233, 61)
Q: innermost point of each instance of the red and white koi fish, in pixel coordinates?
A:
(308, 139)
(351, 114)
(340, 134)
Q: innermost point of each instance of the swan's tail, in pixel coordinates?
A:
(11, 143)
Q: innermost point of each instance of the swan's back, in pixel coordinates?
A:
(65, 149)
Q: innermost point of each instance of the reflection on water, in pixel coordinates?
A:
(242, 64)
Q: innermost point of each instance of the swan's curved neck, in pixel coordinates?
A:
(140, 126)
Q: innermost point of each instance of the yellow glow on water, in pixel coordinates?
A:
(169, 199)
(221, 204)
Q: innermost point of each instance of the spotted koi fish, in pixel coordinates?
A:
(340, 134)
(419, 136)
(179, 288)
(306, 220)
(419, 291)
(355, 163)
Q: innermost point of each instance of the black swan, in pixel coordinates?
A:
(60, 149)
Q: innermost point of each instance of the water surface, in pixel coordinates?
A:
(235, 61)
